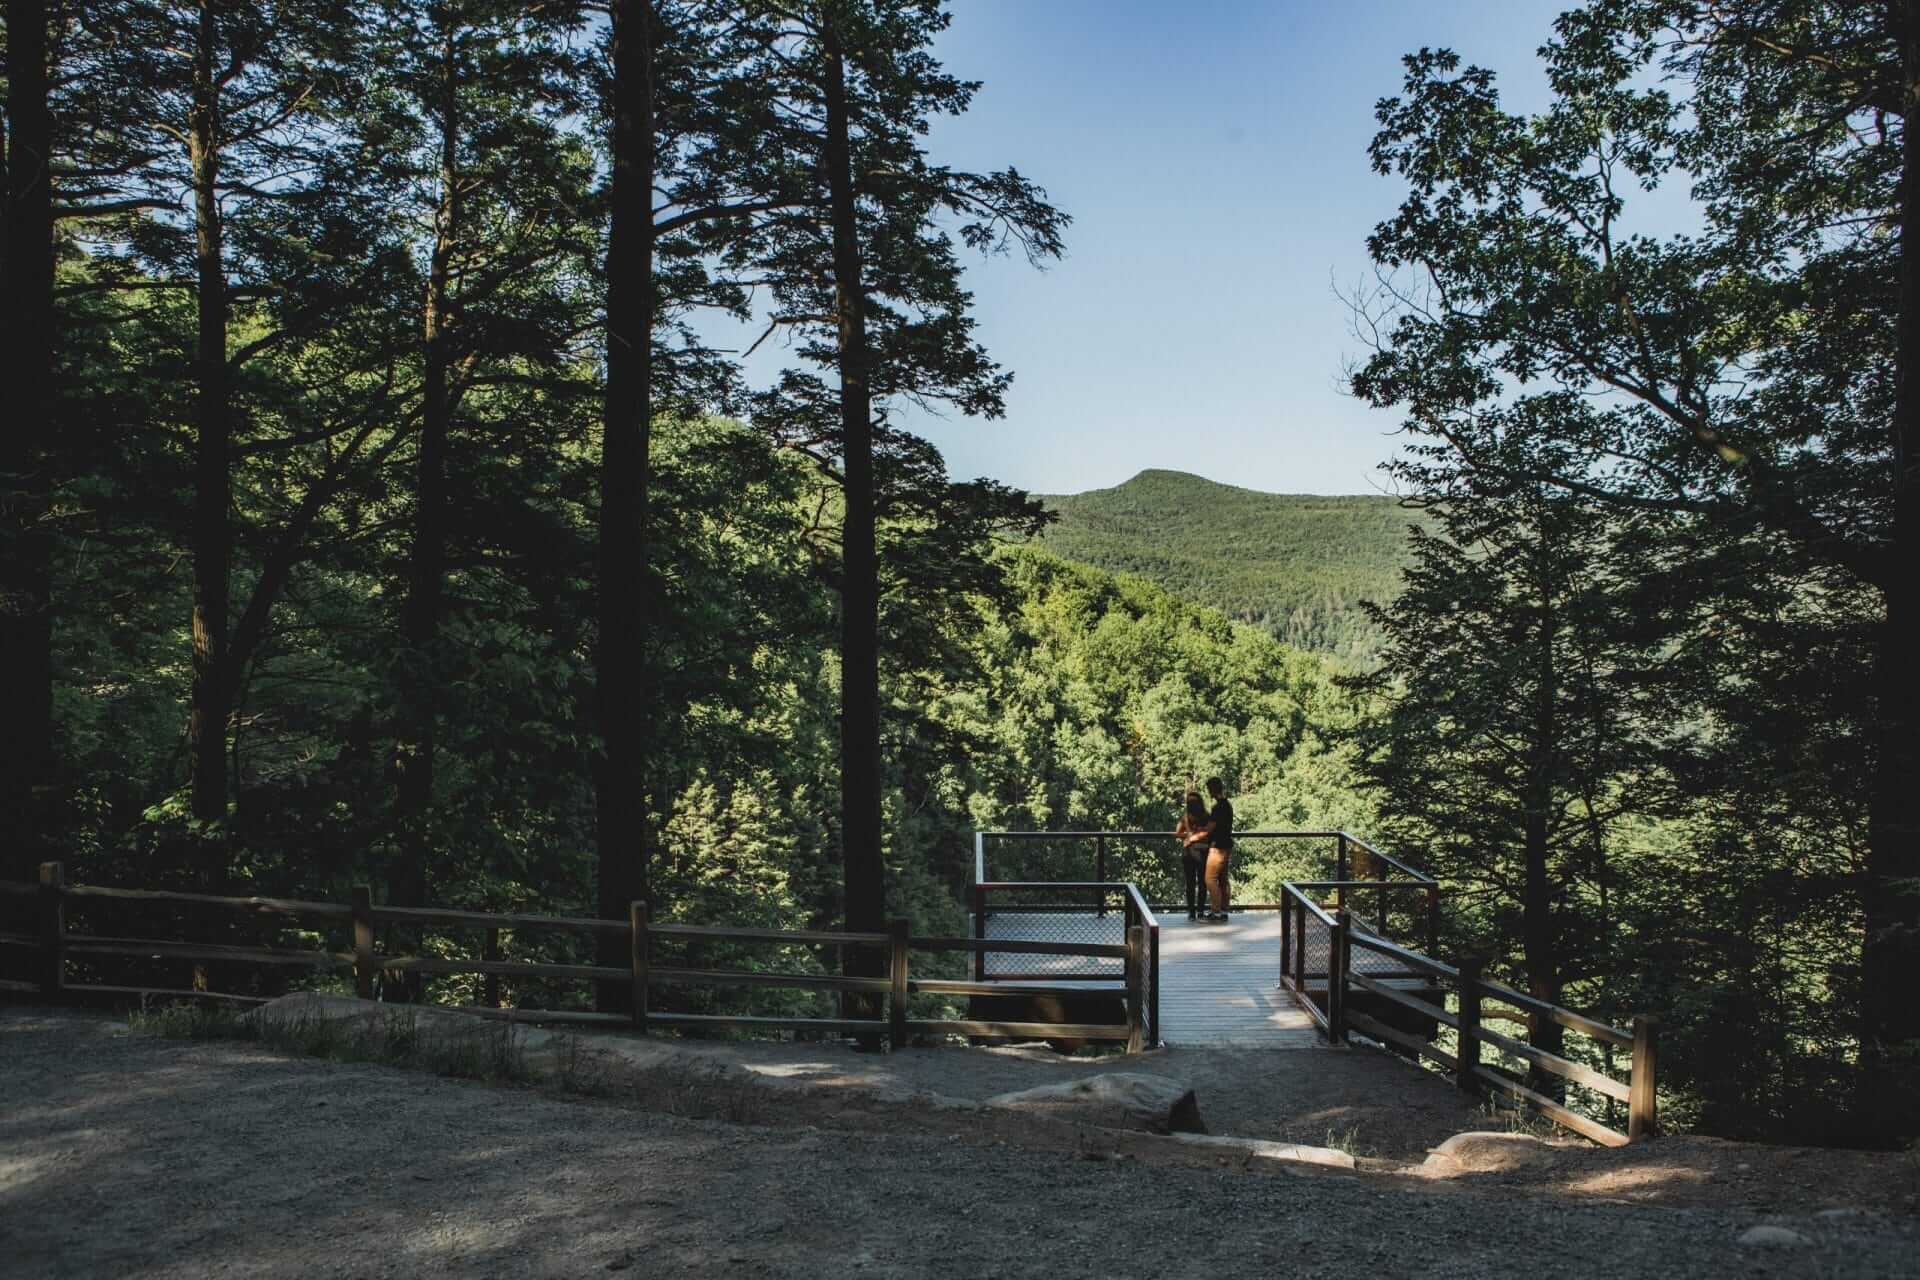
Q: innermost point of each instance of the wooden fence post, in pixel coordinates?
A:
(1135, 970)
(1641, 1119)
(1469, 1055)
(1340, 859)
(1337, 960)
(492, 953)
(1380, 908)
(53, 929)
(897, 969)
(1100, 871)
(1433, 919)
(1300, 949)
(638, 941)
(363, 941)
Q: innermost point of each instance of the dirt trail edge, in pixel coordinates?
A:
(127, 1155)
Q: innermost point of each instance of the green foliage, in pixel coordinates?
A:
(1297, 565)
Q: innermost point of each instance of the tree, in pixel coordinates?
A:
(26, 288)
(1754, 375)
(1518, 725)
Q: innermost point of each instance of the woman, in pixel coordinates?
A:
(1192, 855)
(1219, 841)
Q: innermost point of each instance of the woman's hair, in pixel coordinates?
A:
(1196, 807)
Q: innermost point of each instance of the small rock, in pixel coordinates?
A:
(1772, 1238)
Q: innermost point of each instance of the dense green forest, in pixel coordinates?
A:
(374, 512)
(1297, 564)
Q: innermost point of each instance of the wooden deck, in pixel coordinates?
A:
(1219, 983)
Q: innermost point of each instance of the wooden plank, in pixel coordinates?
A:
(1553, 1063)
(573, 1017)
(164, 993)
(842, 1026)
(492, 920)
(1468, 1023)
(1404, 1000)
(1552, 1110)
(87, 944)
(20, 940)
(506, 968)
(724, 932)
(1022, 947)
(9, 984)
(748, 978)
(1381, 1031)
(1565, 1017)
(269, 906)
(19, 888)
(1023, 1030)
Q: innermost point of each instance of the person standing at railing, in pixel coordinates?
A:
(1193, 851)
(1218, 836)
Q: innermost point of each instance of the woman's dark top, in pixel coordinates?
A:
(1221, 836)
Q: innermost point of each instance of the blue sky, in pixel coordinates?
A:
(1213, 156)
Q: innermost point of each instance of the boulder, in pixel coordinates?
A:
(1770, 1237)
(1489, 1152)
(1261, 1149)
(1116, 1100)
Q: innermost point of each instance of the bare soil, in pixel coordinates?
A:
(123, 1154)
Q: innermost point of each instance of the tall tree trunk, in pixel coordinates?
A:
(1543, 964)
(859, 590)
(26, 619)
(627, 613)
(212, 536)
(1890, 960)
(420, 673)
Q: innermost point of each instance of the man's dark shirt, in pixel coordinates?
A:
(1221, 837)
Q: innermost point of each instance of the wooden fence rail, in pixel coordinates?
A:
(56, 946)
(1335, 1014)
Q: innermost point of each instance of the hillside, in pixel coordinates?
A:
(1297, 564)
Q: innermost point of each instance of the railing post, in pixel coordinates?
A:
(1469, 1056)
(979, 932)
(363, 941)
(1286, 935)
(1433, 918)
(53, 929)
(979, 857)
(1337, 959)
(1641, 1120)
(897, 970)
(1136, 960)
(1380, 909)
(1100, 870)
(1153, 986)
(1300, 949)
(640, 949)
(1340, 859)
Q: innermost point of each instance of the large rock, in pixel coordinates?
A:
(1116, 1100)
(1490, 1152)
(1772, 1237)
(1261, 1149)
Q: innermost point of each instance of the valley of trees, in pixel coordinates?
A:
(375, 510)
(1298, 565)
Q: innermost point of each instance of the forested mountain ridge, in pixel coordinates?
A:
(1295, 564)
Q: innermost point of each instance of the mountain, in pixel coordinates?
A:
(1296, 564)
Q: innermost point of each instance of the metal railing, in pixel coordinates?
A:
(1100, 912)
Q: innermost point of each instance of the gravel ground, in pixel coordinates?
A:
(126, 1155)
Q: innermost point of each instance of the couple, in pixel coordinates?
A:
(1207, 840)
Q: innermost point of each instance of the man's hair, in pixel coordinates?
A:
(1214, 784)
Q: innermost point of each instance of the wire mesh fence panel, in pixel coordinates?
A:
(1055, 913)
(1026, 857)
(1262, 864)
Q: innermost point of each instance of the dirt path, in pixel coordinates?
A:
(127, 1155)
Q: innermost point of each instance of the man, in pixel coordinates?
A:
(1219, 835)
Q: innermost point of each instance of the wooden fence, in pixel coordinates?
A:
(890, 985)
(1477, 1001)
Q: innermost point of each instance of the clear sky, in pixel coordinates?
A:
(1213, 156)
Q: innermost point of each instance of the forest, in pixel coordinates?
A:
(378, 510)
